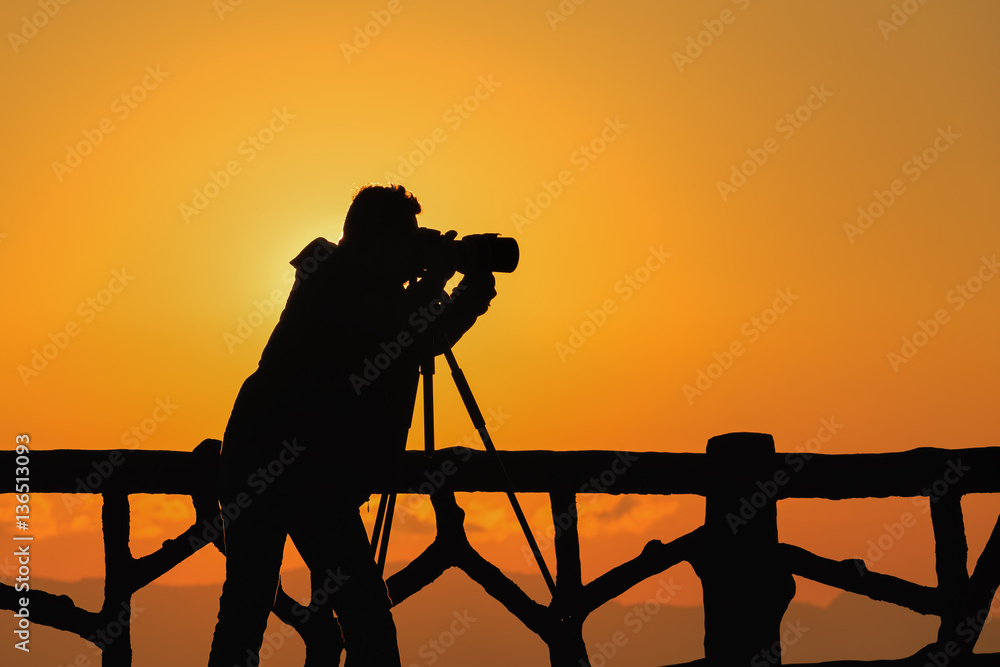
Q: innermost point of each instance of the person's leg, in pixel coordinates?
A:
(254, 541)
(334, 544)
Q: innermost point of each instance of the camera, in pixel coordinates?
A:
(472, 253)
(487, 252)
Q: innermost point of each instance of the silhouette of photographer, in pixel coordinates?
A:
(325, 417)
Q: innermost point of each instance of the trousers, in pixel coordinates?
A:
(291, 500)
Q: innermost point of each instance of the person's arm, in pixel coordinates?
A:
(470, 299)
(441, 318)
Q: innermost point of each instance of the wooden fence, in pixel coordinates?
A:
(746, 573)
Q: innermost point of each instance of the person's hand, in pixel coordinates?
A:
(478, 289)
(438, 255)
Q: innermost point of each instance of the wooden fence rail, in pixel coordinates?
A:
(746, 573)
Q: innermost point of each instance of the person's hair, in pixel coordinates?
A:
(379, 211)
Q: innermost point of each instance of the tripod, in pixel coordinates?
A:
(383, 519)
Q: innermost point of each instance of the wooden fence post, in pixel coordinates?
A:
(951, 552)
(746, 590)
(566, 646)
(115, 632)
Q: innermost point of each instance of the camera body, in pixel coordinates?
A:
(473, 253)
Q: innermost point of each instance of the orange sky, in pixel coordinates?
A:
(672, 171)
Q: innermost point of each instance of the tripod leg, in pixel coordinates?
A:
(480, 423)
(387, 503)
(377, 529)
(427, 373)
(384, 548)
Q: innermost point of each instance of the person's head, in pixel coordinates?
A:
(380, 215)
(381, 226)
